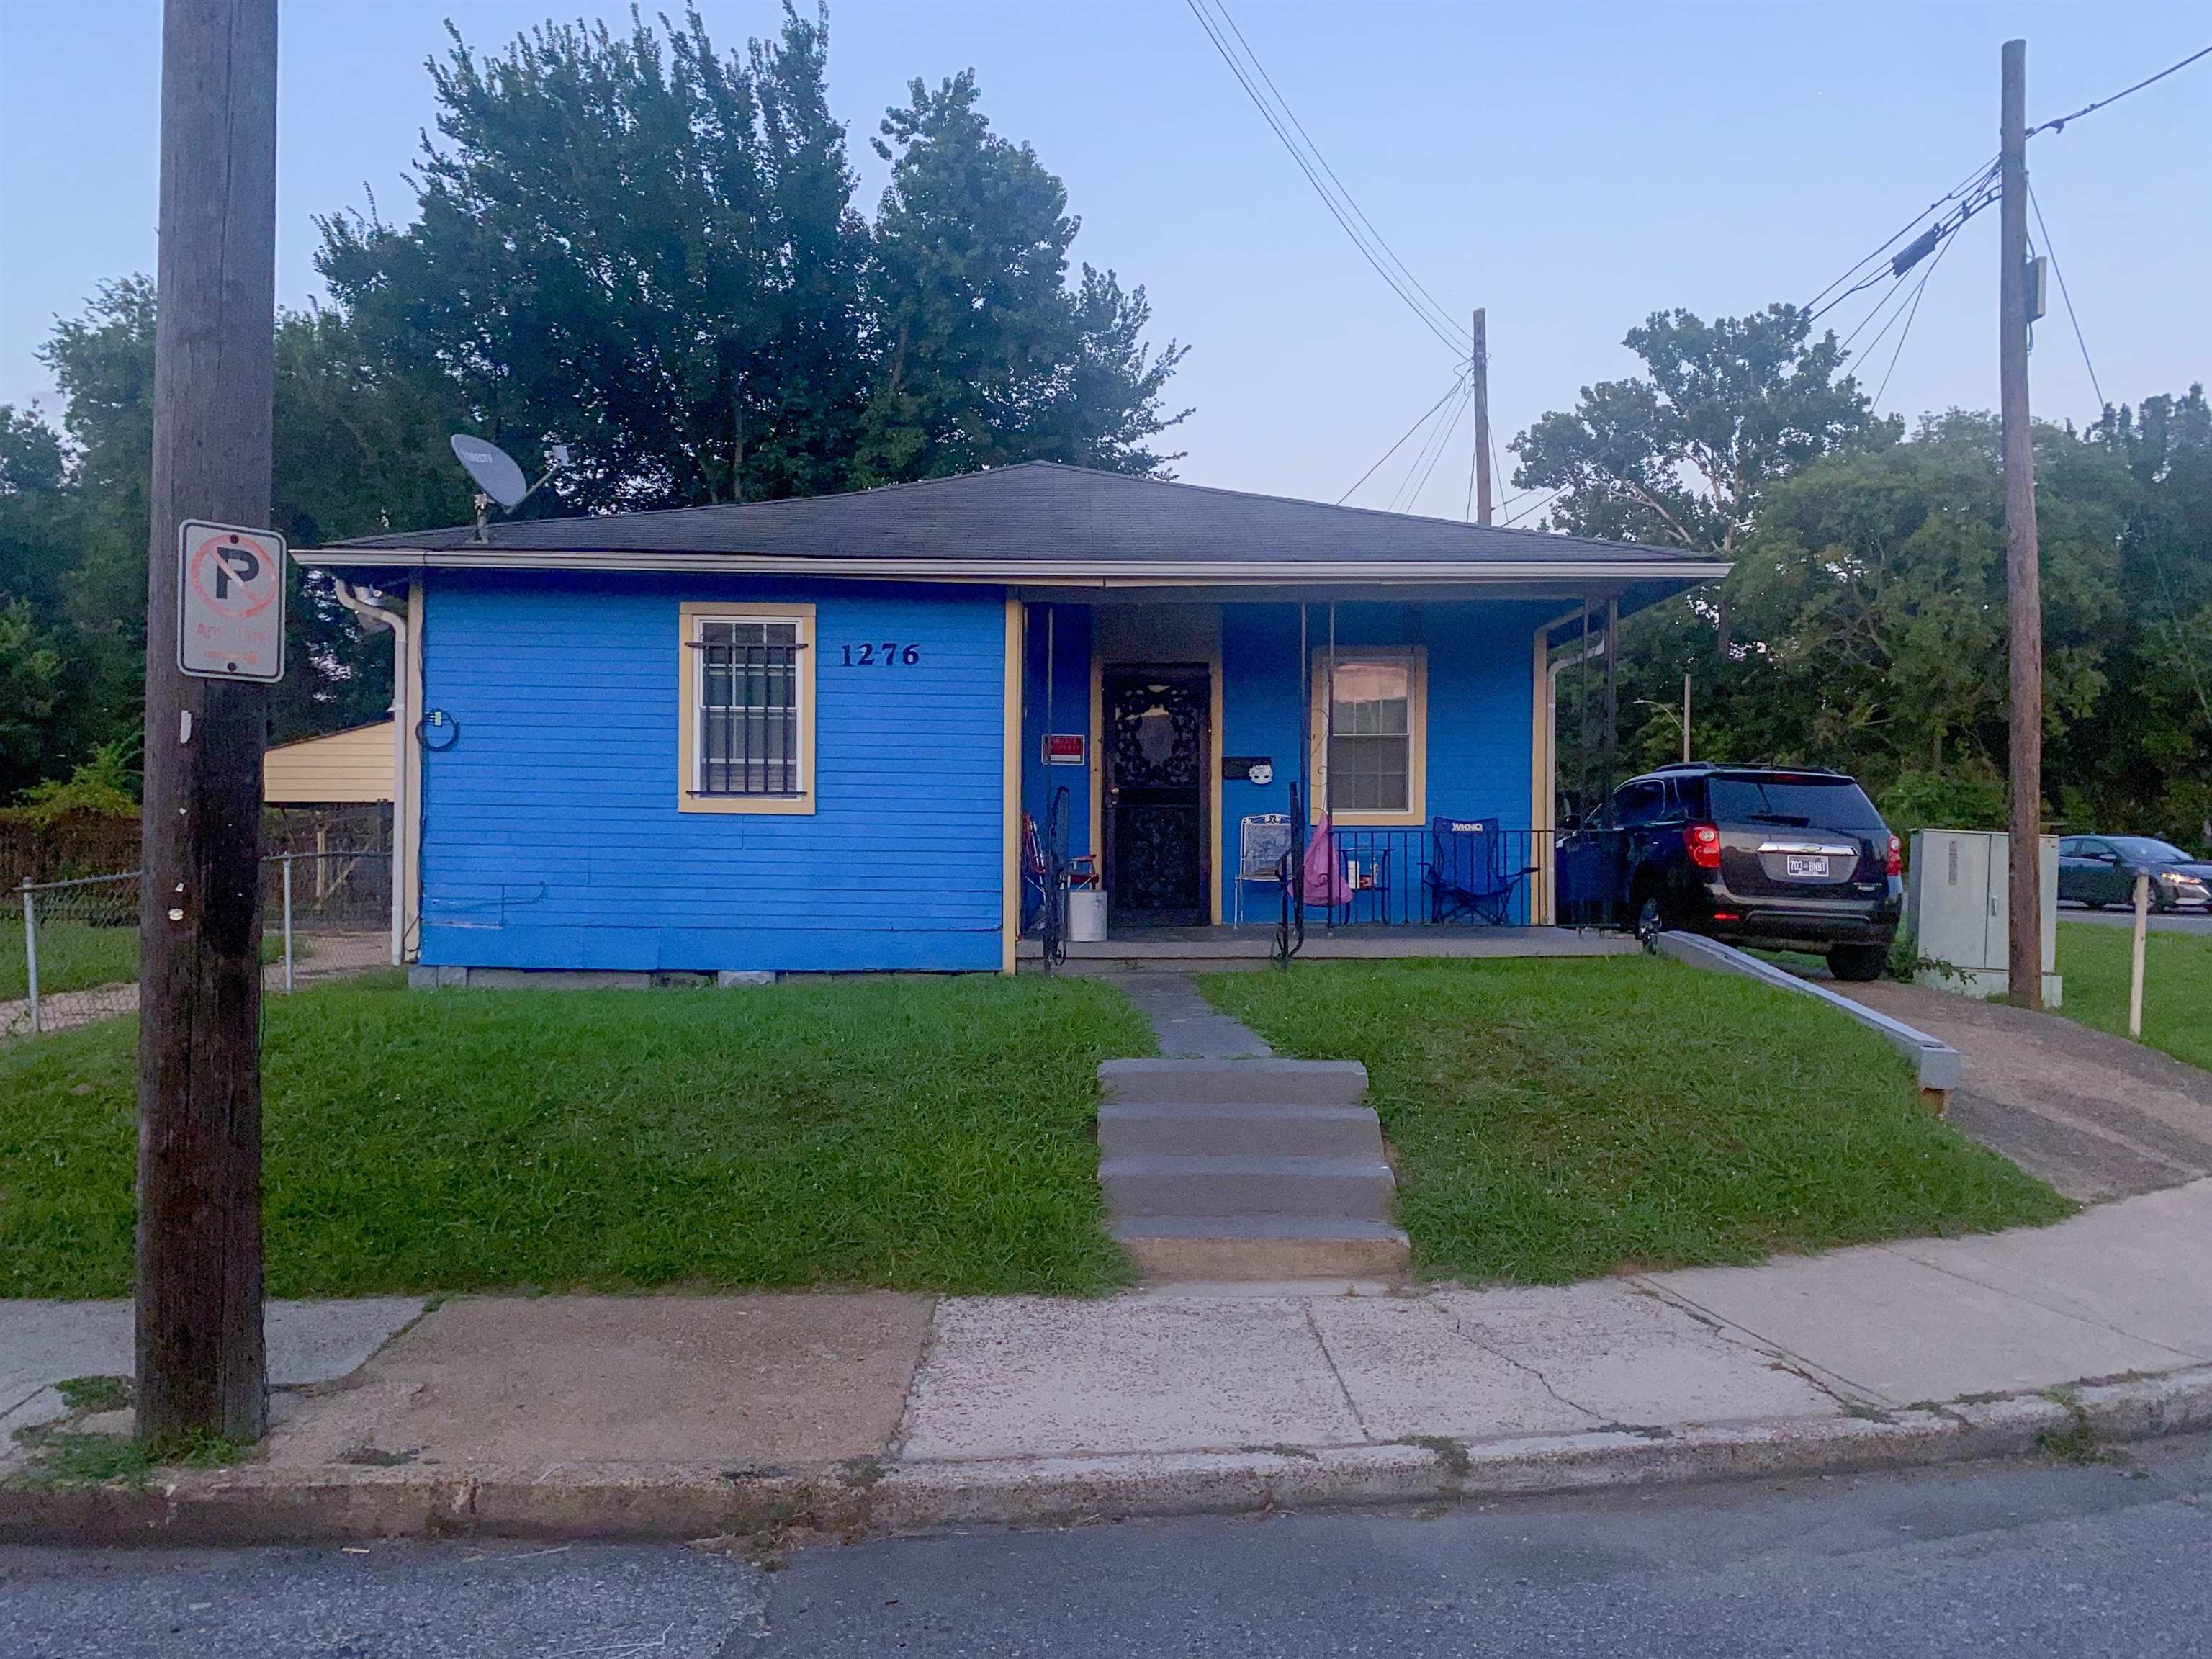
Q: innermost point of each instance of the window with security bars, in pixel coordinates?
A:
(1371, 743)
(749, 685)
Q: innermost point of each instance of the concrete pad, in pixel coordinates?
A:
(42, 1343)
(1900, 1332)
(519, 1381)
(1025, 1376)
(1482, 1364)
(2142, 1266)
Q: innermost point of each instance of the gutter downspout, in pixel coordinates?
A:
(357, 600)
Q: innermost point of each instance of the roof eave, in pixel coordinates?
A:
(1116, 573)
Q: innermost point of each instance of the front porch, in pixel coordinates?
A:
(1174, 948)
(1174, 748)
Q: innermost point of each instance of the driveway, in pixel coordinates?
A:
(2095, 1116)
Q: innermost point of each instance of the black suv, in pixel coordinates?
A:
(1791, 860)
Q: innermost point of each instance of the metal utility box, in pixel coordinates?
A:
(1955, 905)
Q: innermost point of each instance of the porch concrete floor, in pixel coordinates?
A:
(1361, 940)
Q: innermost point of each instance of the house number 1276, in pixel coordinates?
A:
(888, 655)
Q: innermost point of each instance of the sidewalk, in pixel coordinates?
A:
(684, 1416)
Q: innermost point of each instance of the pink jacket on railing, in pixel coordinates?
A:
(1323, 879)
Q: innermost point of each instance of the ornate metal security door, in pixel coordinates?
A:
(1157, 744)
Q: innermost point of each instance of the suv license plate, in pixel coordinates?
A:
(1798, 863)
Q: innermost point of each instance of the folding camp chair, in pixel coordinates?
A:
(1261, 841)
(1468, 874)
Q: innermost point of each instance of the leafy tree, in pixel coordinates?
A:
(1872, 589)
(987, 358)
(30, 694)
(2144, 759)
(636, 245)
(1683, 456)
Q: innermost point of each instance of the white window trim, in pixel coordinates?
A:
(1416, 659)
(692, 619)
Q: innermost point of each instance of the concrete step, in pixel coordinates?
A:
(1152, 1129)
(1255, 1082)
(1356, 1188)
(1260, 1248)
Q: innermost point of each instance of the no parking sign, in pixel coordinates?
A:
(230, 602)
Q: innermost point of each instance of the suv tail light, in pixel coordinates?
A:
(1704, 842)
(1894, 863)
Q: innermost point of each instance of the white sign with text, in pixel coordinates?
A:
(230, 602)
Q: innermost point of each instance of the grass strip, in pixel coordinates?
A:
(1554, 1119)
(918, 1133)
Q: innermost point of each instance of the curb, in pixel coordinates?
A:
(254, 1504)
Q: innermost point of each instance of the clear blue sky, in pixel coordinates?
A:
(1572, 167)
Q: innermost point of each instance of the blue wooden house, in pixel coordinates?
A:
(813, 735)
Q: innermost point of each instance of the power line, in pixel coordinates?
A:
(1965, 185)
(1408, 432)
(2065, 294)
(1441, 314)
(2150, 544)
(1440, 440)
(2059, 125)
(1979, 193)
(1547, 497)
(1405, 287)
(1905, 333)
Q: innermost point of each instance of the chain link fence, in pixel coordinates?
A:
(69, 949)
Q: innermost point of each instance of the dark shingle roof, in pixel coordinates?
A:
(1038, 513)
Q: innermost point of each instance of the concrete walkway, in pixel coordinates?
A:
(583, 1414)
(2094, 1115)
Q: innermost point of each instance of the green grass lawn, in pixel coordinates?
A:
(1554, 1119)
(2094, 960)
(73, 955)
(923, 1133)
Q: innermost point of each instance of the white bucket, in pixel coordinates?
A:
(1086, 916)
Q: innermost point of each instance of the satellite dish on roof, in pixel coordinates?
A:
(492, 469)
(498, 478)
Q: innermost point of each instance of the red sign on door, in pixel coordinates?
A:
(1063, 749)
(230, 602)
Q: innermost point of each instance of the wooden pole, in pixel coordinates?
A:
(1686, 717)
(1611, 735)
(1481, 372)
(2023, 580)
(2135, 966)
(201, 1361)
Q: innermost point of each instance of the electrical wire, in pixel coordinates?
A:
(1443, 438)
(1549, 495)
(2157, 561)
(1406, 288)
(1408, 432)
(1422, 456)
(1987, 170)
(1351, 202)
(2064, 294)
(2059, 125)
(1474, 465)
(1905, 333)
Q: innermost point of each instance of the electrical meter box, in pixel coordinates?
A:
(1955, 903)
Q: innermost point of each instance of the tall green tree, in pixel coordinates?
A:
(986, 356)
(637, 246)
(1682, 454)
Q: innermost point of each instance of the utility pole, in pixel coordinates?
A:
(202, 1366)
(1480, 369)
(2023, 578)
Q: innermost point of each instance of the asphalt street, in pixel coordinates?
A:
(2173, 921)
(2030, 1558)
